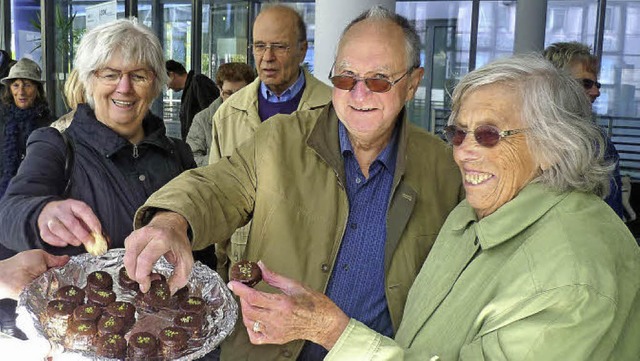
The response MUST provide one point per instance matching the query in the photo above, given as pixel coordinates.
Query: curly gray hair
(563, 140)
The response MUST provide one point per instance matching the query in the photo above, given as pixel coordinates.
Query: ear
(304, 45)
(414, 82)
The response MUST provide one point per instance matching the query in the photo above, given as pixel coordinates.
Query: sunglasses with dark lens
(377, 85)
(486, 135)
(588, 84)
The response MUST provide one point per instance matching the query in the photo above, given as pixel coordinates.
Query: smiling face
(373, 49)
(493, 176)
(277, 25)
(24, 93)
(122, 106)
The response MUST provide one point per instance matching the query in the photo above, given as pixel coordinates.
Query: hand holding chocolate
(246, 272)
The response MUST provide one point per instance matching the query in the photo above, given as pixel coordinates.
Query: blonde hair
(73, 90)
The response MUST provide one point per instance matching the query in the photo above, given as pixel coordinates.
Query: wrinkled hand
(166, 235)
(68, 222)
(18, 271)
(298, 313)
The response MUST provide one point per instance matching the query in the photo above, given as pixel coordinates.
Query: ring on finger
(51, 222)
(257, 327)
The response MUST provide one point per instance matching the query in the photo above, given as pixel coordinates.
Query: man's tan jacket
(233, 123)
(289, 180)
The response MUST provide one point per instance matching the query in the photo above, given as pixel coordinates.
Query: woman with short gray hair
(88, 181)
(532, 265)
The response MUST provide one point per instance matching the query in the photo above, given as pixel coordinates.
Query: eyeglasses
(376, 85)
(486, 135)
(111, 77)
(277, 48)
(588, 84)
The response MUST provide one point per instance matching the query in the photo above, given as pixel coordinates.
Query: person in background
(283, 86)
(230, 78)
(119, 150)
(24, 109)
(198, 92)
(347, 198)
(74, 95)
(576, 58)
(532, 265)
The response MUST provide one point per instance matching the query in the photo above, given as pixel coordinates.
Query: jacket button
(142, 178)
(286, 353)
(475, 243)
(324, 268)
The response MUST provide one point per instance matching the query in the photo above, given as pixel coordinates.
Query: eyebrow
(341, 65)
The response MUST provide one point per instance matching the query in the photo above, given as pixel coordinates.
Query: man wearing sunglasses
(347, 198)
(282, 87)
(576, 58)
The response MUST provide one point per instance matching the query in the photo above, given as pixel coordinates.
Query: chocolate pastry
(173, 340)
(99, 280)
(87, 313)
(58, 315)
(111, 345)
(191, 322)
(158, 295)
(194, 304)
(80, 335)
(124, 310)
(110, 324)
(126, 282)
(70, 293)
(100, 298)
(142, 346)
(246, 272)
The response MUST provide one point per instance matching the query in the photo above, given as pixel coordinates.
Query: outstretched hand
(18, 271)
(297, 313)
(166, 235)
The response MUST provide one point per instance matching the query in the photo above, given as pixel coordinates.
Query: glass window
(445, 31)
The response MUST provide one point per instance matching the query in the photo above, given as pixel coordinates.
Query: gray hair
(136, 43)
(412, 40)
(562, 139)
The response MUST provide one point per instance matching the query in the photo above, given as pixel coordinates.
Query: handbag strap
(68, 162)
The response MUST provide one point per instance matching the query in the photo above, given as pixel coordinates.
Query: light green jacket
(289, 179)
(199, 136)
(234, 123)
(546, 277)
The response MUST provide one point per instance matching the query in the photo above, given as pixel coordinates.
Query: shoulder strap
(68, 162)
(178, 151)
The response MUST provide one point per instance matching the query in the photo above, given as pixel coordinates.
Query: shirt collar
(287, 95)
(388, 155)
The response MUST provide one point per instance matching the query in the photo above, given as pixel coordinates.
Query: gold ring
(256, 327)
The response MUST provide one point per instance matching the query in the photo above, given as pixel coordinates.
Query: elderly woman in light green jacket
(533, 265)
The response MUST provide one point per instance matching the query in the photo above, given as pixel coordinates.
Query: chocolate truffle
(70, 293)
(87, 313)
(126, 282)
(246, 272)
(191, 322)
(142, 346)
(173, 340)
(110, 324)
(99, 280)
(100, 298)
(111, 345)
(80, 335)
(158, 296)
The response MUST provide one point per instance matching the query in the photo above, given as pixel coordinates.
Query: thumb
(55, 261)
(284, 284)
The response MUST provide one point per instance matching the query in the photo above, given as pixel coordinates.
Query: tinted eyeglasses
(588, 84)
(486, 135)
(377, 85)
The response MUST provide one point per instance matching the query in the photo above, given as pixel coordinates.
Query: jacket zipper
(135, 151)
